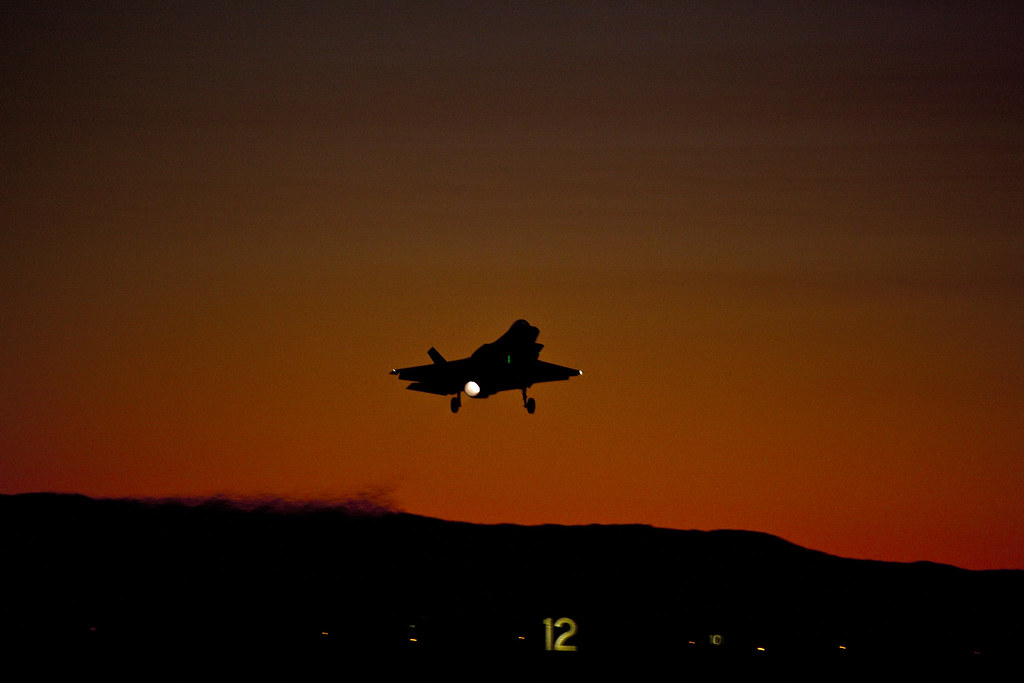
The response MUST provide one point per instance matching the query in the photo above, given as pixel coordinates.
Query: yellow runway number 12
(561, 643)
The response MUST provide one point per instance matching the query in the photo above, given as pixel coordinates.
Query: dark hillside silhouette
(351, 581)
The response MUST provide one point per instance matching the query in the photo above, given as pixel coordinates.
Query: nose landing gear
(456, 403)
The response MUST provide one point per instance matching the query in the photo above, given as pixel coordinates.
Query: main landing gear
(529, 403)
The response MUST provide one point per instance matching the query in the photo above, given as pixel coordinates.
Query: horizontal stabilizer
(435, 356)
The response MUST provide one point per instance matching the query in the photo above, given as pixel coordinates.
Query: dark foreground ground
(163, 580)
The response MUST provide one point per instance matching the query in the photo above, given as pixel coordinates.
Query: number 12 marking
(559, 644)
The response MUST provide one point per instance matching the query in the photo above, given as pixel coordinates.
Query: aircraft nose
(521, 328)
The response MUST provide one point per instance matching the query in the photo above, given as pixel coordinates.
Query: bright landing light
(471, 389)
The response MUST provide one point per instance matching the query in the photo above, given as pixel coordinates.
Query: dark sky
(783, 240)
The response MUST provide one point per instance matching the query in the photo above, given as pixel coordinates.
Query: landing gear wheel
(456, 403)
(531, 405)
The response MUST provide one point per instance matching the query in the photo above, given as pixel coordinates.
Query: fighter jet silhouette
(510, 362)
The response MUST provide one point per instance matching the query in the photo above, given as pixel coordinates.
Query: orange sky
(783, 242)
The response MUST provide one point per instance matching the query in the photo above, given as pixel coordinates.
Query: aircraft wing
(436, 378)
(549, 372)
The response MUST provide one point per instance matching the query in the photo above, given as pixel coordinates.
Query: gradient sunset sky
(784, 241)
